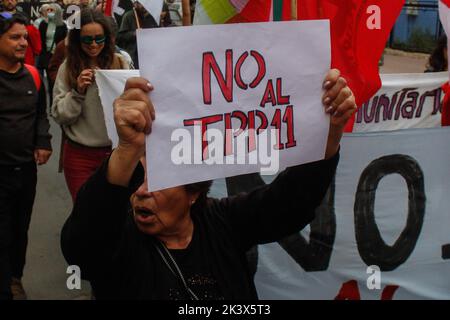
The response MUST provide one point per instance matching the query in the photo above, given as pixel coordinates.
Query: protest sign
(260, 79)
(31, 8)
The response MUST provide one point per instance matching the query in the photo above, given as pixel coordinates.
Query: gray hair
(43, 8)
(58, 14)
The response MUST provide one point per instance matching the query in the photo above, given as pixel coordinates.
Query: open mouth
(142, 211)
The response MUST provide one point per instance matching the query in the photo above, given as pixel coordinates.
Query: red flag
(446, 2)
(359, 31)
(254, 11)
(444, 13)
(445, 119)
(107, 6)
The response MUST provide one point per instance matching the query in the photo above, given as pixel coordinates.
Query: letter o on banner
(372, 248)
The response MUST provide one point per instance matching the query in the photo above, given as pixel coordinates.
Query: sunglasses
(88, 39)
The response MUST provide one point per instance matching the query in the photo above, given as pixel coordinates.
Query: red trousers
(446, 105)
(80, 163)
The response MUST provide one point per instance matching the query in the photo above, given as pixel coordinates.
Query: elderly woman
(52, 30)
(43, 11)
(176, 243)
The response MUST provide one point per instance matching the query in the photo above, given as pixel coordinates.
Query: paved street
(45, 273)
(404, 64)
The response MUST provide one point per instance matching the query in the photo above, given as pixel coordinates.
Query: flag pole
(293, 9)
(138, 24)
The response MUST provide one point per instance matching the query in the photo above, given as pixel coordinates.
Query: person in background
(77, 106)
(52, 31)
(24, 143)
(61, 4)
(165, 19)
(65, 6)
(126, 38)
(57, 59)
(10, 6)
(125, 5)
(438, 60)
(186, 10)
(43, 11)
(34, 46)
(192, 4)
(180, 12)
(84, 4)
(115, 30)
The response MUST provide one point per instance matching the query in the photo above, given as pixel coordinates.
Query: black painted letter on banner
(371, 246)
(315, 255)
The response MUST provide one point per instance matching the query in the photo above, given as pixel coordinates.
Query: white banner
(389, 209)
(404, 101)
(234, 79)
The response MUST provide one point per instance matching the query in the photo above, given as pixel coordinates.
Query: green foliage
(419, 41)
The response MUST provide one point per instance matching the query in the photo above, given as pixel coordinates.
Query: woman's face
(92, 37)
(161, 213)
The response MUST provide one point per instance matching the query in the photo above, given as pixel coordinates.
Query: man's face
(13, 44)
(9, 5)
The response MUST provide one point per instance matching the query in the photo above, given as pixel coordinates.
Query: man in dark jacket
(24, 142)
(176, 243)
(131, 21)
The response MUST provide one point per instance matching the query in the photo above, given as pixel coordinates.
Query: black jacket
(24, 125)
(60, 34)
(101, 237)
(126, 38)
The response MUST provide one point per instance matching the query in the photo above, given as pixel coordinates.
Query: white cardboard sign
(110, 86)
(256, 77)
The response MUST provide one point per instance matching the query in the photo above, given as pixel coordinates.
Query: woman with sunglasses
(77, 106)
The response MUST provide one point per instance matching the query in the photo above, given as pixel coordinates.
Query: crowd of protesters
(47, 65)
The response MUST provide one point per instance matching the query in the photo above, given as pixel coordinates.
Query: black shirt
(194, 265)
(24, 124)
(121, 262)
(126, 37)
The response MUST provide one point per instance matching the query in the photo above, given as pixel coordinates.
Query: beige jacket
(80, 115)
